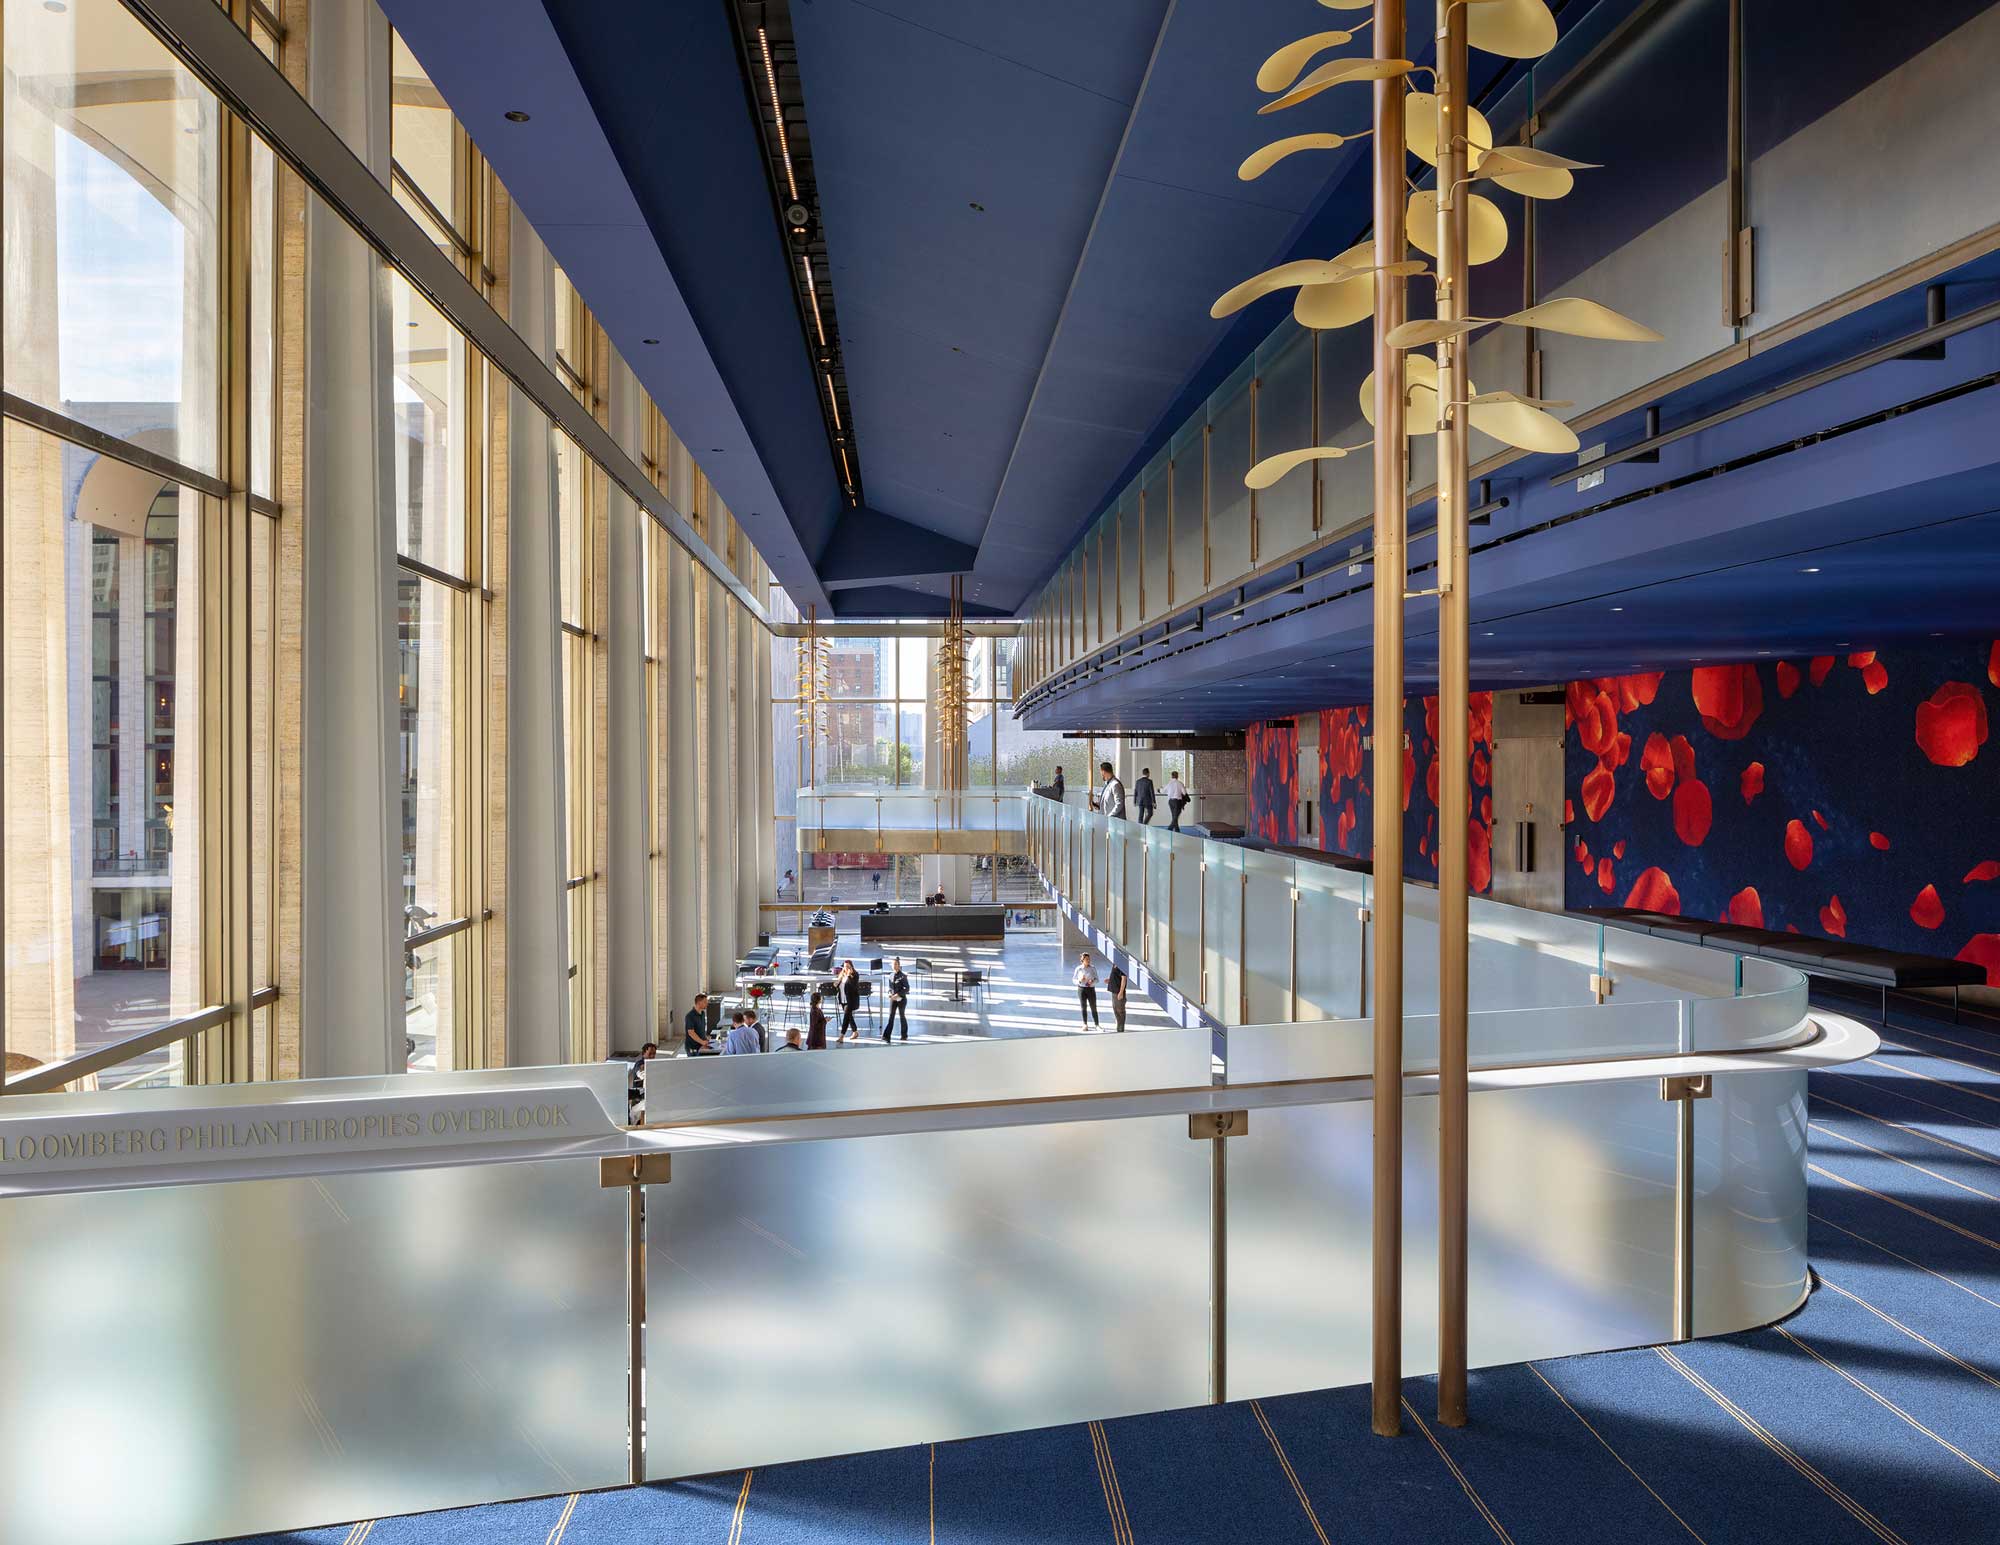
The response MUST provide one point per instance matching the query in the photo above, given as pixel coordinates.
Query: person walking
(1143, 797)
(694, 1029)
(850, 1000)
(1111, 798)
(1115, 984)
(816, 1029)
(1177, 799)
(1085, 977)
(899, 999)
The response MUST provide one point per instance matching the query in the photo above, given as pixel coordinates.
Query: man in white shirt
(1177, 798)
(1111, 798)
(1085, 977)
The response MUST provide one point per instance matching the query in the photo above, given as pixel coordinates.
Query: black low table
(927, 923)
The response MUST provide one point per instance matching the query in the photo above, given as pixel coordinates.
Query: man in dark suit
(1142, 795)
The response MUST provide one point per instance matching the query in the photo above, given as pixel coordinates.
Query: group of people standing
(746, 1034)
(1109, 796)
(1085, 977)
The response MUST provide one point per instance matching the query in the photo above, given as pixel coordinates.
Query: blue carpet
(1871, 1415)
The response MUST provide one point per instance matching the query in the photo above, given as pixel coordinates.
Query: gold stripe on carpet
(1291, 1475)
(1451, 1464)
(1887, 1404)
(1676, 1517)
(1107, 1475)
(1784, 1451)
(1889, 1319)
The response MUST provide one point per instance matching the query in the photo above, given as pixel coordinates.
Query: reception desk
(899, 925)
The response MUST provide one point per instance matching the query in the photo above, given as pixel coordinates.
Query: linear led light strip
(777, 111)
(812, 296)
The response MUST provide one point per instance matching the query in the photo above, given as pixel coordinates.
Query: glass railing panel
(681, 1090)
(1184, 964)
(1157, 542)
(1571, 1233)
(1811, 132)
(1188, 569)
(1116, 898)
(1159, 899)
(847, 812)
(1222, 931)
(282, 1352)
(1537, 1036)
(1520, 958)
(912, 811)
(1282, 1052)
(1650, 246)
(1642, 965)
(1270, 937)
(1333, 944)
(1749, 1200)
(1765, 1013)
(816, 1298)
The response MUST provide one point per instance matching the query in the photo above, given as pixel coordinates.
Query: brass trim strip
(80, 434)
(55, 1075)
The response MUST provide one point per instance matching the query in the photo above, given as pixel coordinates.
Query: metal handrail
(55, 1075)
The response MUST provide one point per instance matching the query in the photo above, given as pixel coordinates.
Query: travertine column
(718, 788)
(351, 992)
(627, 868)
(680, 792)
(537, 906)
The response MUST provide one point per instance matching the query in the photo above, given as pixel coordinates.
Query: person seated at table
(742, 1037)
(694, 1038)
(792, 1040)
(816, 1030)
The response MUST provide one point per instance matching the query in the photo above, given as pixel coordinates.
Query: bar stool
(795, 992)
(868, 999)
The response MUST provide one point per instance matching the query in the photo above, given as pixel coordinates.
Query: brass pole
(1454, 649)
(1391, 479)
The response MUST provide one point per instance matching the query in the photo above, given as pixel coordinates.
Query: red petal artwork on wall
(1988, 870)
(1788, 678)
(1683, 752)
(1654, 892)
(1618, 848)
(1478, 856)
(1993, 663)
(1606, 879)
(1927, 911)
(1821, 665)
(1820, 821)
(1409, 774)
(1746, 908)
(1729, 699)
(1753, 781)
(1951, 727)
(1656, 764)
(1874, 676)
(1431, 780)
(1582, 852)
(1983, 949)
(1862, 660)
(1486, 810)
(1637, 691)
(1693, 812)
(1598, 787)
(1878, 842)
(1798, 844)
(1569, 812)
(1833, 918)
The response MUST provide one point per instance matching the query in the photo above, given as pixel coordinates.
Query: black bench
(1835, 959)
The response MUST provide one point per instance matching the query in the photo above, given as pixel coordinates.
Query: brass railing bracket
(1686, 1086)
(1218, 1123)
(634, 1169)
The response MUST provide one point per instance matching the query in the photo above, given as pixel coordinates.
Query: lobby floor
(1872, 1414)
(1027, 991)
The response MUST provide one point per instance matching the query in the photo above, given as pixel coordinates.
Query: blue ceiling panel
(919, 113)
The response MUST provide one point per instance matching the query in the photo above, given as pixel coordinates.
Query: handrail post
(1391, 478)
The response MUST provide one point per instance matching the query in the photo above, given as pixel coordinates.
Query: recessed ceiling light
(516, 116)
(1618, 608)
(1808, 571)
